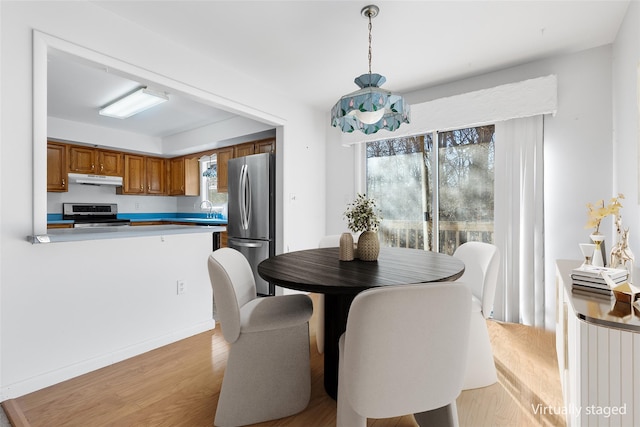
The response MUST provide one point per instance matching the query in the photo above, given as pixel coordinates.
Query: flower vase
(346, 247)
(368, 246)
(598, 259)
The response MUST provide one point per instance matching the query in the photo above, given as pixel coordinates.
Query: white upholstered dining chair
(268, 374)
(404, 352)
(330, 241)
(481, 261)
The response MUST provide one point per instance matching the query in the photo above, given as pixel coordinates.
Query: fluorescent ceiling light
(134, 103)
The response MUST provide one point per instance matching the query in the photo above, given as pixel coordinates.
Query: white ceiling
(314, 49)
(77, 89)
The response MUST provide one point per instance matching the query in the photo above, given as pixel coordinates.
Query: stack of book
(588, 278)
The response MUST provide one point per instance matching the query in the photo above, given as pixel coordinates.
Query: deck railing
(411, 234)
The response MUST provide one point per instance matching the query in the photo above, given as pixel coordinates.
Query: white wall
(68, 308)
(578, 154)
(79, 193)
(70, 131)
(626, 137)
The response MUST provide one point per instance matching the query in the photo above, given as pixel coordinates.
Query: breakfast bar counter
(99, 233)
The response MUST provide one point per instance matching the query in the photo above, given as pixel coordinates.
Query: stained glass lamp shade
(371, 108)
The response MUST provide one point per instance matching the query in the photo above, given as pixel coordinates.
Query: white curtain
(518, 221)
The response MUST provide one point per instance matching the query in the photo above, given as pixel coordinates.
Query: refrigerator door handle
(242, 198)
(246, 244)
(248, 196)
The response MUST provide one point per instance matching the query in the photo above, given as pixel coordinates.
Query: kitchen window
(209, 181)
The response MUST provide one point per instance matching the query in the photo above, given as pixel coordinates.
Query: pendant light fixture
(212, 169)
(371, 108)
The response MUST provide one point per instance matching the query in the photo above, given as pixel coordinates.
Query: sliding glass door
(426, 210)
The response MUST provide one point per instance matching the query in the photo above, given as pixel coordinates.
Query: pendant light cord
(370, 27)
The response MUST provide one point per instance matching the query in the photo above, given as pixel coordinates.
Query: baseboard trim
(14, 413)
(47, 379)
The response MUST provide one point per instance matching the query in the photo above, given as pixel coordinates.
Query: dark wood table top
(320, 270)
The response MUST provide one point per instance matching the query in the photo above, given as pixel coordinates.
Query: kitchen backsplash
(126, 203)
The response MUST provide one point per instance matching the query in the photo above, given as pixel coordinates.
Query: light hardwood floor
(178, 385)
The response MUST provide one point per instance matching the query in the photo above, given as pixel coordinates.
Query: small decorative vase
(587, 252)
(368, 246)
(621, 255)
(597, 260)
(346, 247)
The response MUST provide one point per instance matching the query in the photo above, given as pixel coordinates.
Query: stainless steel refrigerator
(251, 225)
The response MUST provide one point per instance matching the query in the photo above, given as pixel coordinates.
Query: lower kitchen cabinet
(56, 226)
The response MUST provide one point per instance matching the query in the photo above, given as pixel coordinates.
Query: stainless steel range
(93, 215)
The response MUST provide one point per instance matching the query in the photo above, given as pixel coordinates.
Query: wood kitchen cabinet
(143, 175)
(156, 177)
(245, 149)
(110, 163)
(265, 146)
(134, 175)
(57, 179)
(82, 159)
(184, 177)
(255, 147)
(95, 161)
(58, 226)
(223, 155)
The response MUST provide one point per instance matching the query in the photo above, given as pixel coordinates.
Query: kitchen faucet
(207, 204)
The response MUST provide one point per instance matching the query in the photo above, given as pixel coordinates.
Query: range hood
(88, 179)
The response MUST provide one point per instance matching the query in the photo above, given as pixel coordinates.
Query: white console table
(598, 346)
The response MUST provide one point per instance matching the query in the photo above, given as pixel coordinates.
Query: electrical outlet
(181, 287)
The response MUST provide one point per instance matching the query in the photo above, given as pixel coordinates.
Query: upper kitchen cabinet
(82, 159)
(184, 177)
(143, 175)
(95, 161)
(134, 175)
(242, 150)
(156, 175)
(57, 167)
(255, 147)
(265, 146)
(223, 155)
(110, 163)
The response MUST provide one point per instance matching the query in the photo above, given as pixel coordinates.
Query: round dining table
(321, 271)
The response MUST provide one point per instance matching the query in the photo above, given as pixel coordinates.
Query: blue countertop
(205, 221)
(194, 218)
